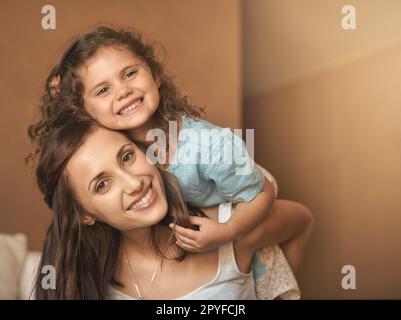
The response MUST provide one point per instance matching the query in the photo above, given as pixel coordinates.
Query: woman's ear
(88, 220)
(158, 82)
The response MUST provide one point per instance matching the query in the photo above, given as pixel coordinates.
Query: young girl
(109, 239)
(115, 78)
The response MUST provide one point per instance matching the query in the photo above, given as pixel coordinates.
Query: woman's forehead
(100, 146)
(102, 138)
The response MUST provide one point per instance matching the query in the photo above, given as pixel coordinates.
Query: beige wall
(299, 38)
(202, 40)
(333, 139)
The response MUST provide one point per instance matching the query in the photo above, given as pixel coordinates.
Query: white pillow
(13, 249)
(28, 275)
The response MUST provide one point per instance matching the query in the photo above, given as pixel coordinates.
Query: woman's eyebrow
(118, 156)
(95, 178)
(121, 151)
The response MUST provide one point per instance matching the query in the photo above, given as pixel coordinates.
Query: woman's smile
(115, 182)
(145, 202)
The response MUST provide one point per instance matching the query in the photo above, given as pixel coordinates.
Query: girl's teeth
(132, 106)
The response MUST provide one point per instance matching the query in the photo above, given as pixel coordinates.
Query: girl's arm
(287, 218)
(249, 214)
(212, 234)
(288, 223)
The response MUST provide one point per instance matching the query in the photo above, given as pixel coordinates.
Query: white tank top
(229, 283)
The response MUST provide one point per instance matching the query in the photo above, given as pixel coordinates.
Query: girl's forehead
(115, 52)
(107, 60)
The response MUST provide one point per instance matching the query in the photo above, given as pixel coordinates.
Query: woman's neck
(139, 241)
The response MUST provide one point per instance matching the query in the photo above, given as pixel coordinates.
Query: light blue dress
(212, 165)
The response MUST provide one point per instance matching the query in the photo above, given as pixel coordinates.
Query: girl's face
(115, 183)
(119, 89)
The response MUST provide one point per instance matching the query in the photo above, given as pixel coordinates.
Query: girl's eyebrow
(98, 85)
(129, 66)
(118, 156)
(122, 71)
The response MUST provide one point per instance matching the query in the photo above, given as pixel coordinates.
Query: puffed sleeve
(229, 166)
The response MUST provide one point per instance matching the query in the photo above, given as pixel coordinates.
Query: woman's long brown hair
(85, 256)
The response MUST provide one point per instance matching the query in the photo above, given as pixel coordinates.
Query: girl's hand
(211, 235)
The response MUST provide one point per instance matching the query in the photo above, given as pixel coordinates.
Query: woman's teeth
(144, 201)
(131, 107)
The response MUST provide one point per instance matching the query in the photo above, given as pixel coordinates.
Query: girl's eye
(101, 91)
(127, 158)
(130, 74)
(102, 186)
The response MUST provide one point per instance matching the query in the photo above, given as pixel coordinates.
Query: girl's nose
(133, 184)
(123, 91)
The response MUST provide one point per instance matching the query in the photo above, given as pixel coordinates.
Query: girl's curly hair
(63, 83)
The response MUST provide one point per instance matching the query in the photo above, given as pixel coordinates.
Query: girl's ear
(88, 219)
(158, 82)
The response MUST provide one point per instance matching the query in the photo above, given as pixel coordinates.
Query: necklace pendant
(141, 298)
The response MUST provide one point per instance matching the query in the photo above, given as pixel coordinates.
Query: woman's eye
(127, 158)
(101, 186)
(129, 74)
(101, 91)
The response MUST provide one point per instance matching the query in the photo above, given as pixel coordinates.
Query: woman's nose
(133, 184)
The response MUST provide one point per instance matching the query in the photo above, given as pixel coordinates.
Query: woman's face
(115, 183)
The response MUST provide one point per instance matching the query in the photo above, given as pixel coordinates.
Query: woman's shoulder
(243, 252)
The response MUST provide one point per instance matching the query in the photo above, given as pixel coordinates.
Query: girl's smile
(119, 89)
(131, 107)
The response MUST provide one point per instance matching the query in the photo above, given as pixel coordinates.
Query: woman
(109, 237)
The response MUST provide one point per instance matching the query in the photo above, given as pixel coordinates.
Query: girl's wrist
(231, 231)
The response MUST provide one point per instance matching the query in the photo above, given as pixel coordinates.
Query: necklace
(136, 285)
